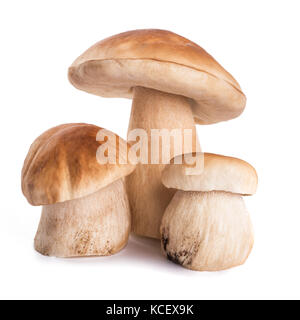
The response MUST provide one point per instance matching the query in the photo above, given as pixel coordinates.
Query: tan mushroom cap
(220, 173)
(62, 165)
(164, 61)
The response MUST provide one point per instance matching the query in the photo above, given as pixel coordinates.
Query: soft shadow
(139, 251)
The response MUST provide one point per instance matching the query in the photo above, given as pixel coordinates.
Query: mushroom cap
(220, 173)
(61, 164)
(164, 61)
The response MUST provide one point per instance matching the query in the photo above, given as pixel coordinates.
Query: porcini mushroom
(173, 83)
(85, 205)
(206, 226)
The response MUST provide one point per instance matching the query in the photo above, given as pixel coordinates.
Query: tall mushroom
(173, 83)
(206, 226)
(85, 205)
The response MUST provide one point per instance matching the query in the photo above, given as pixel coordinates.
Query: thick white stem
(207, 231)
(96, 225)
(152, 109)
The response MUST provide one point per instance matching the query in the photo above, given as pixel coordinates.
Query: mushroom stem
(207, 231)
(152, 109)
(96, 225)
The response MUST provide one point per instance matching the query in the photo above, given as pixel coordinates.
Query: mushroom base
(96, 225)
(207, 231)
(148, 197)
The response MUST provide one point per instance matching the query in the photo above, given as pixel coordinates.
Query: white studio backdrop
(256, 41)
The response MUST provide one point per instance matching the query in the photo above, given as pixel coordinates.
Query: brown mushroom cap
(164, 61)
(61, 165)
(220, 173)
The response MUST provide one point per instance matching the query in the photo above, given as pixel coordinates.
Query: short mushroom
(173, 83)
(206, 226)
(85, 205)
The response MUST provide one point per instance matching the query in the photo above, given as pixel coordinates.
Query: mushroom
(85, 205)
(206, 226)
(173, 83)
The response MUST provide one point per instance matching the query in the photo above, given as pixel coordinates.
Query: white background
(257, 41)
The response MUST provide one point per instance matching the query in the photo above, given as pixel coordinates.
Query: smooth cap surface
(62, 165)
(220, 173)
(164, 61)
